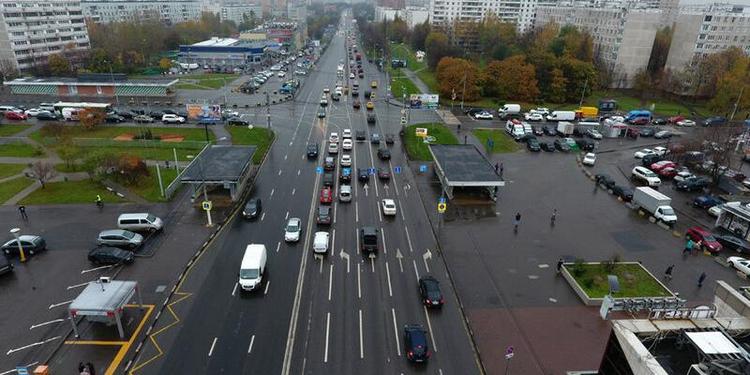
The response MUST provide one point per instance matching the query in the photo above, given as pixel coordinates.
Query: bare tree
(43, 172)
(718, 144)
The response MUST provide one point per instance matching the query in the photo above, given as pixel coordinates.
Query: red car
(706, 239)
(675, 119)
(667, 172)
(640, 121)
(659, 165)
(326, 196)
(10, 115)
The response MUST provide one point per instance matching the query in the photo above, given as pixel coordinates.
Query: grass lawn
(634, 280)
(424, 73)
(20, 150)
(148, 188)
(110, 132)
(84, 191)
(661, 106)
(401, 84)
(8, 189)
(7, 130)
(415, 146)
(7, 170)
(503, 143)
(205, 81)
(260, 137)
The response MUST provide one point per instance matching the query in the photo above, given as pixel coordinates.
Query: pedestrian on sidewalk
(22, 211)
(559, 265)
(701, 279)
(459, 128)
(554, 217)
(668, 272)
(501, 169)
(465, 138)
(497, 166)
(516, 222)
(688, 246)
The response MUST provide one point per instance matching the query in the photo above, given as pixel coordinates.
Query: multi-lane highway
(344, 312)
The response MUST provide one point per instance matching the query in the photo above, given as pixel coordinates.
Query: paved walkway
(417, 82)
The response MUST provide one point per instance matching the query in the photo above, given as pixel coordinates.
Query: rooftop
(89, 81)
(217, 42)
(219, 163)
(464, 165)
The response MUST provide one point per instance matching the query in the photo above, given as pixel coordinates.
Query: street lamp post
(205, 192)
(15, 232)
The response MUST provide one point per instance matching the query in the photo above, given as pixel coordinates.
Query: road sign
(206, 205)
(319, 170)
(442, 207)
(441, 200)
(403, 120)
(396, 169)
(22, 370)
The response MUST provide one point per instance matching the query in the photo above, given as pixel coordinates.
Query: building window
(699, 46)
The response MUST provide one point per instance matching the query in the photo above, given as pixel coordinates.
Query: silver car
(120, 238)
(292, 230)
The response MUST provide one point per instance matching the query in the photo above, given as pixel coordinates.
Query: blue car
(706, 201)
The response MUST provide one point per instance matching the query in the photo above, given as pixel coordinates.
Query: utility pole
(268, 110)
(583, 92)
(463, 94)
(736, 104)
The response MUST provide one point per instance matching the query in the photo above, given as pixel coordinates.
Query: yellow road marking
(95, 342)
(151, 337)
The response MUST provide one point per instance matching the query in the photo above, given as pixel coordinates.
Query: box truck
(561, 116)
(655, 203)
(565, 128)
(509, 110)
(587, 112)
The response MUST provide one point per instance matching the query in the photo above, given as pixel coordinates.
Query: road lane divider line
(280, 170)
(294, 190)
(401, 211)
(268, 283)
(278, 246)
(286, 216)
(408, 238)
(263, 216)
(330, 282)
(395, 332)
(361, 340)
(250, 348)
(299, 170)
(234, 290)
(382, 237)
(416, 272)
(429, 327)
(213, 345)
(359, 282)
(388, 275)
(356, 212)
(285, 156)
(328, 330)
(335, 208)
(380, 215)
(272, 191)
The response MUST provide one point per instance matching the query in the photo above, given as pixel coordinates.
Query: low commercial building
(92, 86)
(463, 169)
(167, 11)
(224, 53)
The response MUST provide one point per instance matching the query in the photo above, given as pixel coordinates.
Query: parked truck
(655, 203)
(515, 129)
(565, 128)
(509, 110)
(561, 116)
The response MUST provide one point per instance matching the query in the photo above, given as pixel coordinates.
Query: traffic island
(589, 281)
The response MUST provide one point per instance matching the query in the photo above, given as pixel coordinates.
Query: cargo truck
(655, 203)
(565, 128)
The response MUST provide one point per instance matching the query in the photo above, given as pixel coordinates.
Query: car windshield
(292, 228)
(128, 235)
(151, 218)
(648, 173)
(709, 238)
(249, 274)
(668, 211)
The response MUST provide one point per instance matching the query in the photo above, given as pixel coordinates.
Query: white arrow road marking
(78, 285)
(425, 256)
(400, 256)
(46, 323)
(343, 255)
(11, 351)
(95, 269)
(52, 306)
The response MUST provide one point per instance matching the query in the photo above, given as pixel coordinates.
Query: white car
(484, 115)
(346, 160)
(326, 90)
(686, 122)
(640, 154)
(172, 119)
(351, 76)
(320, 243)
(646, 175)
(661, 151)
(347, 144)
(682, 175)
(281, 74)
(333, 148)
(741, 264)
(389, 207)
(715, 211)
(617, 118)
(346, 134)
(323, 101)
(593, 133)
(589, 159)
(300, 72)
(534, 117)
(541, 110)
(33, 112)
(333, 138)
(275, 68)
(292, 230)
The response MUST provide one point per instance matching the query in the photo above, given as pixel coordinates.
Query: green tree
(580, 75)
(419, 35)
(398, 30)
(58, 65)
(437, 46)
(165, 63)
(730, 86)
(69, 153)
(558, 83)
(496, 38)
(459, 75)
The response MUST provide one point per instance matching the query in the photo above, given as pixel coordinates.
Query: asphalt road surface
(343, 313)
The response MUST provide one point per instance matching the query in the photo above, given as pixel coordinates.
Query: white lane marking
(408, 239)
(388, 275)
(52, 306)
(425, 256)
(429, 327)
(395, 332)
(234, 290)
(361, 341)
(299, 170)
(279, 172)
(401, 211)
(321, 266)
(268, 283)
(414, 262)
(95, 269)
(291, 143)
(356, 212)
(250, 348)
(372, 263)
(359, 283)
(543, 265)
(335, 207)
(46, 323)
(328, 327)
(380, 215)
(285, 156)
(78, 285)
(11, 351)
(382, 237)
(400, 256)
(330, 281)
(278, 245)
(263, 216)
(272, 190)
(16, 371)
(294, 190)
(213, 344)
(286, 216)
(333, 240)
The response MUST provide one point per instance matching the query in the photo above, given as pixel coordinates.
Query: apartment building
(622, 37)
(30, 31)
(167, 11)
(236, 12)
(699, 32)
(527, 13)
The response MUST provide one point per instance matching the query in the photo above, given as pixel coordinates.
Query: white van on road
(253, 267)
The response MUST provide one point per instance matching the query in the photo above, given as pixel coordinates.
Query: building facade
(236, 12)
(104, 86)
(623, 38)
(167, 11)
(30, 31)
(224, 53)
(527, 13)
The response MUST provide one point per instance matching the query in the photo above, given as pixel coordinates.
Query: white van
(561, 116)
(140, 222)
(253, 267)
(70, 114)
(47, 106)
(509, 109)
(320, 243)
(345, 193)
(514, 129)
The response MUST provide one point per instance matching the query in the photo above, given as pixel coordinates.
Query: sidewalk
(417, 82)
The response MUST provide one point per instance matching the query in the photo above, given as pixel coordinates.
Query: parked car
(415, 343)
(641, 153)
(429, 290)
(484, 115)
(562, 145)
(730, 242)
(5, 266)
(675, 119)
(31, 244)
(623, 192)
(682, 175)
(605, 181)
(110, 255)
(714, 120)
(659, 121)
(538, 131)
(46, 116)
(706, 201)
(659, 165)
(143, 119)
(664, 134)
(589, 159)
(252, 208)
(114, 118)
(740, 264)
(237, 120)
(18, 116)
(647, 132)
(549, 130)
(534, 117)
(594, 134)
(667, 172)
(646, 175)
(547, 146)
(533, 145)
(706, 239)
(686, 123)
(693, 184)
(585, 144)
(648, 160)
(119, 238)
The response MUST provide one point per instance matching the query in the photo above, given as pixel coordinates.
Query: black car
(538, 130)
(547, 146)
(323, 216)
(321, 112)
(329, 163)
(345, 176)
(328, 179)
(562, 145)
(739, 245)
(252, 209)
(706, 201)
(5, 265)
(156, 114)
(623, 192)
(237, 120)
(647, 132)
(355, 93)
(46, 116)
(471, 112)
(389, 139)
(312, 150)
(362, 175)
(585, 144)
(549, 130)
(114, 119)
(372, 118)
(30, 243)
(415, 343)
(651, 159)
(384, 174)
(384, 153)
(429, 289)
(360, 135)
(693, 184)
(107, 255)
(375, 138)
(533, 145)
(715, 120)
(605, 181)
(659, 121)
(127, 114)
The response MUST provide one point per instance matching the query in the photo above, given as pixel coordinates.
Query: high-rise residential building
(167, 11)
(699, 32)
(33, 30)
(237, 11)
(622, 37)
(527, 13)
(443, 13)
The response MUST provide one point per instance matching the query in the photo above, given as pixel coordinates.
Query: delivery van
(561, 116)
(253, 267)
(587, 112)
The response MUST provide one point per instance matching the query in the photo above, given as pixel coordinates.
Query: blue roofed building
(223, 53)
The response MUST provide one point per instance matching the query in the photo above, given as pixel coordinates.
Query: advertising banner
(423, 101)
(204, 112)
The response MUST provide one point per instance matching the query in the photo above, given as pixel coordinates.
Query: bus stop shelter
(464, 166)
(103, 301)
(220, 165)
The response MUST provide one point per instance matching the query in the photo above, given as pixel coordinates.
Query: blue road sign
(423, 168)
(371, 170)
(22, 370)
(441, 200)
(397, 170)
(319, 170)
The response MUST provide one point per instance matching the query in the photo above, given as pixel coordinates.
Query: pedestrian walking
(701, 279)
(501, 170)
(559, 265)
(90, 367)
(554, 217)
(688, 246)
(459, 128)
(668, 272)
(517, 221)
(497, 165)
(22, 211)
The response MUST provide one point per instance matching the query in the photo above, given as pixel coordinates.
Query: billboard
(423, 101)
(204, 112)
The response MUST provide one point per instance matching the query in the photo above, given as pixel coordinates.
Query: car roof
(295, 220)
(112, 231)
